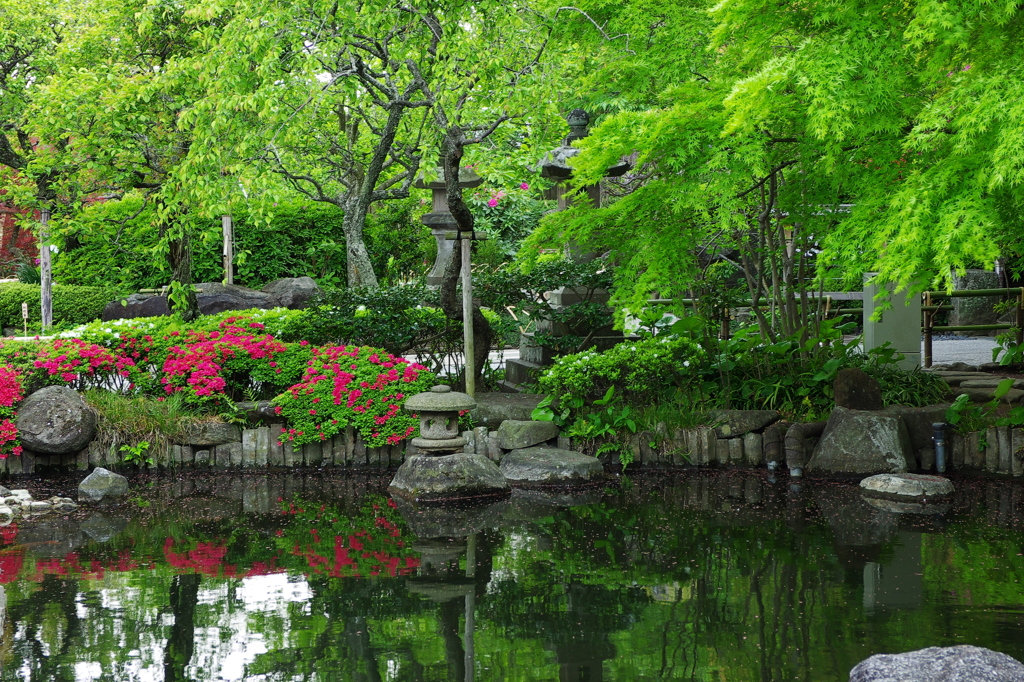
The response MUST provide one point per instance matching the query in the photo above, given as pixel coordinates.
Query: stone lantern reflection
(440, 219)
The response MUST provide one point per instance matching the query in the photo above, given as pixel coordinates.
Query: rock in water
(102, 484)
(426, 478)
(55, 420)
(908, 485)
(514, 434)
(861, 442)
(550, 466)
(857, 390)
(940, 664)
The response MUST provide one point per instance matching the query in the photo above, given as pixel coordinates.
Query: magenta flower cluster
(352, 386)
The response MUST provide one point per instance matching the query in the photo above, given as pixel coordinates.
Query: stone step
(522, 372)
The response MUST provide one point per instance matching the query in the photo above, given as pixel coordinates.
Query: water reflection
(700, 577)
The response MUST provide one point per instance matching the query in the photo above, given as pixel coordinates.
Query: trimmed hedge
(71, 304)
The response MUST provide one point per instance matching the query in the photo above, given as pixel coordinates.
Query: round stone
(908, 485)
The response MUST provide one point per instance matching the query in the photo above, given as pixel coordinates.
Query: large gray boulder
(55, 420)
(427, 478)
(550, 466)
(215, 297)
(940, 664)
(136, 305)
(102, 484)
(862, 442)
(514, 434)
(733, 423)
(494, 408)
(292, 292)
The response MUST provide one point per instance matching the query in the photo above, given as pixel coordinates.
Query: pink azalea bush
(352, 386)
(10, 395)
(80, 364)
(202, 364)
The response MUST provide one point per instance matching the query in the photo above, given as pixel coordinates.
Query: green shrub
(115, 243)
(638, 372)
(71, 304)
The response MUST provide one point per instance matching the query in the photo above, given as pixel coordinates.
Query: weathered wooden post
(229, 243)
(45, 271)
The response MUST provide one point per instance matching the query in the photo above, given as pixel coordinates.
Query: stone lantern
(555, 164)
(440, 219)
(442, 473)
(438, 410)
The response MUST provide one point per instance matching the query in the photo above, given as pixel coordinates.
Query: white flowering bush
(638, 372)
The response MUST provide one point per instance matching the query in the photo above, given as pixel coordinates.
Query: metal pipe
(939, 439)
(796, 449)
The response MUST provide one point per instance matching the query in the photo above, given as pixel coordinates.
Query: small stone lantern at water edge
(438, 410)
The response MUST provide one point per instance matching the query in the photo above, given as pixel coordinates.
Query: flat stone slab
(213, 433)
(984, 394)
(908, 485)
(733, 423)
(494, 408)
(940, 664)
(990, 383)
(426, 478)
(514, 434)
(550, 466)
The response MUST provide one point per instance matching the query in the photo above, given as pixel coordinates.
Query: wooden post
(45, 271)
(467, 315)
(229, 255)
(929, 320)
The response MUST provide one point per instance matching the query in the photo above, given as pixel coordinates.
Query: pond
(709, 576)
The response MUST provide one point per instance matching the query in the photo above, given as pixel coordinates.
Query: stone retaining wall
(995, 451)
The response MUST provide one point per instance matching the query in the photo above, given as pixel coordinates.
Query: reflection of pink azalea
(523, 185)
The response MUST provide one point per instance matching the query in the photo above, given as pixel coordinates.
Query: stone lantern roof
(555, 164)
(440, 398)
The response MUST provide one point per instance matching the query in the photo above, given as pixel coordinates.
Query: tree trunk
(179, 255)
(451, 303)
(358, 265)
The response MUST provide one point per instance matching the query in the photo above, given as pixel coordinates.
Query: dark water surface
(721, 576)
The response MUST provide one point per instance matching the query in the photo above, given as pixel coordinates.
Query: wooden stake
(229, 243)
(45, 271)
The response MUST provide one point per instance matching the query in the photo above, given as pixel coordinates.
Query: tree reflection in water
(696, 577)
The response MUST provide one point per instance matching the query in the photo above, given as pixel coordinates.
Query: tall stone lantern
(440, 219)
(557, 165)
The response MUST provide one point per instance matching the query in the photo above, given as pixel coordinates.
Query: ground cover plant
(674, 378)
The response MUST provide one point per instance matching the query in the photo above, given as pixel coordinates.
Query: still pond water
(720, 576)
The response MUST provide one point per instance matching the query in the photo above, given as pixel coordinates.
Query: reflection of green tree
(643, 587)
